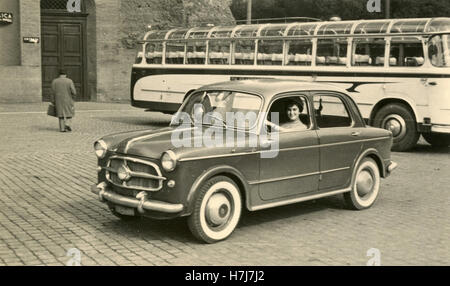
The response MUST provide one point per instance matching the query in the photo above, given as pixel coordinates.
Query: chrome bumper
(391, 167)
(141, 203)
(440, 128)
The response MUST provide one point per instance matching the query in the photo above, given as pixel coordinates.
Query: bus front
(439, 96)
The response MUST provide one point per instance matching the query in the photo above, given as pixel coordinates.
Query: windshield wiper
(216, 118)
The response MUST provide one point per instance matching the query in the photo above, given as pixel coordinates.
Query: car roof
(270, 87)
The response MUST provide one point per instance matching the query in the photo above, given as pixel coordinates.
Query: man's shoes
(68, 129)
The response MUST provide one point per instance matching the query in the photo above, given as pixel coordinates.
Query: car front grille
(141, 175)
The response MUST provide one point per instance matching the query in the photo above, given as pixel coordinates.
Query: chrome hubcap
(396, 124)
(218, 209)
(364, 183)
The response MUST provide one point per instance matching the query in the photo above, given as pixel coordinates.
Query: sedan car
(251, 144)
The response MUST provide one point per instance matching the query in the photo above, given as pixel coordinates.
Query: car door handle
(356, 133)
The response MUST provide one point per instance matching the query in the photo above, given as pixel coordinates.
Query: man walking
(63, 91)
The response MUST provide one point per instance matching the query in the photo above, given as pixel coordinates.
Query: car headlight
(100, 149)
(169, 161)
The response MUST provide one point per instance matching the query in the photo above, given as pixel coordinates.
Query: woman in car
(293, 111)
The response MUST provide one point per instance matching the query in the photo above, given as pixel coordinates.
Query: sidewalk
(26, 128)
(79, 106)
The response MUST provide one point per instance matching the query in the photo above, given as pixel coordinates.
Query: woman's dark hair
(295, 102)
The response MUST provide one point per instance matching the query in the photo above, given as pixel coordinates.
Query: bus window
(196, 52)
(368, 52)
(219, 52)
(270, 52)
(406, 51)
(439, 50)
(299, 52)
(332, 52)
(174, 52)
(153, 53)
(244, 52)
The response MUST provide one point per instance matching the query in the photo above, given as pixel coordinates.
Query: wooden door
(63, 46)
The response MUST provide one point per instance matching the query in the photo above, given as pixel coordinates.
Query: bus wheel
(437, 140)
(400, 121)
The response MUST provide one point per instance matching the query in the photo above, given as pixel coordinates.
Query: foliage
(346, 9)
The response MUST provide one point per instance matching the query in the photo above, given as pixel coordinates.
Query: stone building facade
(94, 40)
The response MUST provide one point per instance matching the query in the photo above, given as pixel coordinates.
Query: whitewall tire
(217, 210)
(365, 185)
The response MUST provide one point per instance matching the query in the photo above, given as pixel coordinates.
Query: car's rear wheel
(217, 210)
(437, 140)
(398, 119)
(365, 185)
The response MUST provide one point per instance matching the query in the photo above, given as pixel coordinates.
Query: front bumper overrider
(141, 202)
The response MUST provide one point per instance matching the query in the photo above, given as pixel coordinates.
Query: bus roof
(344, 28)
(269, 87)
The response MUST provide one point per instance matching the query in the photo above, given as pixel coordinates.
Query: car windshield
(220, 108)
(439, 50)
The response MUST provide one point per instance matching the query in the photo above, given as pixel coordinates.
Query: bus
(397, 70)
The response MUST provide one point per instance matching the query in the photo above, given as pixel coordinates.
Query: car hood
(153, 143)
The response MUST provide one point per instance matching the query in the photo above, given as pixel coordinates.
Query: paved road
(46, 207)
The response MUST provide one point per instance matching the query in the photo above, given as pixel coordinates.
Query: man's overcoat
(63, 90)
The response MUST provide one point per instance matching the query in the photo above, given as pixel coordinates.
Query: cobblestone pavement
(46, 207)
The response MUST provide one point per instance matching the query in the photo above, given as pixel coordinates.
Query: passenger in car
(293, 111)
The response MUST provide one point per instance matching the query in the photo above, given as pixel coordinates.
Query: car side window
(331, 111)
(289, 114)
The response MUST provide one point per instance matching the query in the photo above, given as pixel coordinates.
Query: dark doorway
(63, 46)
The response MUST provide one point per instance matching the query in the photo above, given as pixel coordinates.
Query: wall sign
(31, 40)
(6, 18)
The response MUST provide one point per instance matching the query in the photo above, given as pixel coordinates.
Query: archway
(68, 39)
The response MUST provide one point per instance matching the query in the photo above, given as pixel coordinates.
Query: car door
(295, 169)
(340, 134)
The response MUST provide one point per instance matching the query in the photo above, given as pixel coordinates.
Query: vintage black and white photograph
(224, 133)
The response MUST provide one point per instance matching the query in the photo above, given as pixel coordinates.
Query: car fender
(211, 172)
(371, 152)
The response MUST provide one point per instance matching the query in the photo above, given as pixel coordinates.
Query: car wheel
(437, 140)
(398, 119)
(217, 210)
(121, 216)
(365, 185)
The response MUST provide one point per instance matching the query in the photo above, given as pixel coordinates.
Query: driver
(293, 111)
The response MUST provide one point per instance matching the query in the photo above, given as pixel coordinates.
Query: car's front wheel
(217, 210)
(365, 185)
